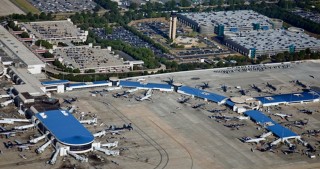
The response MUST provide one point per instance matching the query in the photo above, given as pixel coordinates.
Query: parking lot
(63, 6)
(119, 33)
(313, 16)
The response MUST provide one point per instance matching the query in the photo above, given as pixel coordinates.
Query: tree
(48, 55)
(24, 35)
(133, 6)
(44, 43)
(185, 3)
(212, 2)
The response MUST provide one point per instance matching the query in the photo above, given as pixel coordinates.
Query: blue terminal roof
(126, 83)
(202, 94)
(100, 82)
(54, 82)
(291, 97)
(76, 84)
(276, 128)
(230, 103)
(146, 85)
(65, 127)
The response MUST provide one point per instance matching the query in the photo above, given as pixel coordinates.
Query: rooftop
(65, 127)
(85, 57)
(274, 40)
(51, 30)
(289, 98)
(234, 19)
(144, 85)
(15, 49)
(202, 94)
(275, 128)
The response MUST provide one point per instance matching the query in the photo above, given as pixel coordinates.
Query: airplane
(198, 105)
(23, 156)
(252, 140)
(170, 81)
(283, 116)
(124, 94)
(235, 126)
(256, 88)
(183, 100)
(298, 123)
(242, 92)
(289, 151)
(217, 111)
(300, 84)
(224, 88)
(70, 101)
(306, 111)
(312, 132)
(226, 118)
(8, 132)
(114, 128)
(19, 145)
(271, 86)
(205, 85)
(146, 96)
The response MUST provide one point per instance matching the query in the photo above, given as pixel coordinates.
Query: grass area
(25, 6)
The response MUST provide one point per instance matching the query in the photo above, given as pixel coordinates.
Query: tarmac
(171, 135)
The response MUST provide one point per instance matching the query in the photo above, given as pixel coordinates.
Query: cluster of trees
(31, 17)
(44, 43)
(64, 68)
(13, 26)
(301, 55)
(17, 28)
(47, 55)
(85, 20)
(96, 77)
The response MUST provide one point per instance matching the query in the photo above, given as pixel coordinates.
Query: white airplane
(253, 140)
(283, 115)
(146, 96)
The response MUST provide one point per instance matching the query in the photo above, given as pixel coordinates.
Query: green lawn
(25, 6)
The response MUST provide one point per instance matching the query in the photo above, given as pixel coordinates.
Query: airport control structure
(250, 33)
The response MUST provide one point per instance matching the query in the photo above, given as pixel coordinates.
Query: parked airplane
(283, 116)
(205, 85)
(271, 86)
(70, 101)
(242, 92)
(256, 88)
(19, 145)
(146, 96)
(8, 132)
(306, 111)
(124, 94)
(183, 100)
(170, 81)
(252, 140)
(224, 88)
(301, 84)
(217, 110)
(125, 126)
(198, 105)
(235, 126)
